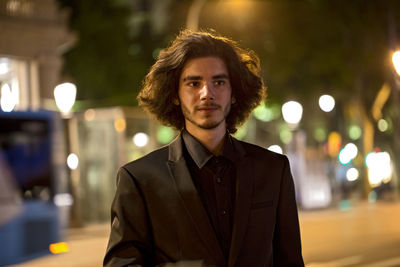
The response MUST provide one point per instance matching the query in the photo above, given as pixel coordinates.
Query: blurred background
(70, 71)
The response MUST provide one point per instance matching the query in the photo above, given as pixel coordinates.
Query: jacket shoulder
(260, 152)
(154, 159)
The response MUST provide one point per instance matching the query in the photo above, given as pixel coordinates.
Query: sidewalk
(87, 246)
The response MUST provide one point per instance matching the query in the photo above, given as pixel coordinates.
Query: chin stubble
(208, 125)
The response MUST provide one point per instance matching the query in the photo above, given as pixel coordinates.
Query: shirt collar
(202, 155)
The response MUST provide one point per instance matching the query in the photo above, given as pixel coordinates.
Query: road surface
(367, 234)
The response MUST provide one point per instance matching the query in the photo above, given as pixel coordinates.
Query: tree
(117, 43)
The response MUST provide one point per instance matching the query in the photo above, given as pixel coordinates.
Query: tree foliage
(117, 43)
(306, 47)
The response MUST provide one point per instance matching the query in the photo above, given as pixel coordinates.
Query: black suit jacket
(157, 215)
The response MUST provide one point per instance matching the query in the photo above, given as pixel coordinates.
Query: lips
(209, 108)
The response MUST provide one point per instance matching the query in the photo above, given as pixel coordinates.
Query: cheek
(188, 97)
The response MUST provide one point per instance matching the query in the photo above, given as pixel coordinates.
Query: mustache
(208, 105)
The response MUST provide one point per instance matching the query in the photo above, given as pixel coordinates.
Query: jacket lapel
(244, 187)
(191, 200)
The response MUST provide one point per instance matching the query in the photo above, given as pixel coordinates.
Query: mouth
(208, 108)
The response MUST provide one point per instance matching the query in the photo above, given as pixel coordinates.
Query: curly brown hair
(161, 84)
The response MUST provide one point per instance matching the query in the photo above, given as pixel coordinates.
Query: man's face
(204, 93)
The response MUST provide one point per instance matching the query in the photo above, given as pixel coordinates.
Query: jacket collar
(201, 155)
(176, 149)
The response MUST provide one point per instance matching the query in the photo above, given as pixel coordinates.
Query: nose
(207, 92)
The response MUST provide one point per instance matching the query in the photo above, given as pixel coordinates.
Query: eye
(219, 82)
(193, 84)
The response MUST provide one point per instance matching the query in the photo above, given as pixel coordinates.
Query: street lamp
(192, 20)
(64, 95)
(396, 61)
(8, 98)
(292, 112)
(140, 139)
(326, 103)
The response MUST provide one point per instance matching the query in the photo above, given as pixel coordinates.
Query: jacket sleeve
(287, 241)
(131, 240)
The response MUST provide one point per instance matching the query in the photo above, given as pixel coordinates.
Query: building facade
(33, 36)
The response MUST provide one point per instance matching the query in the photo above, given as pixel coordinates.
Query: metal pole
(192, 20)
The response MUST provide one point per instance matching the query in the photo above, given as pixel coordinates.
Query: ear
(176, 101)
(233, 100)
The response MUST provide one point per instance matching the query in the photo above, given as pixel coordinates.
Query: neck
(212, 139)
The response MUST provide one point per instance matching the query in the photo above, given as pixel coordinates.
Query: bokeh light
(292, 112)
(8, 100)
(64, 95)
(352, 174)
(57, 248)
(262, 113)
(348, 153)
(396, 61)
(266, 113)
(275, 148)
(334, 143)
(320, 134)
(383, 125)
(90, 114)
(72, 161)
(120, 124)
(379, 168)
(63, 199)
(354, 132)
(165, 134)
(140, 139)
(326, 103)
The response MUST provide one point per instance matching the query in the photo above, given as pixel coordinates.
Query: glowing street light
(348, 153)
(72, 161)
(326, 103)
(352, 174)
(275, 148)
(379, 166)
(140, 139)
(65, 95)
(396, 61)
(8, 99)
(292, 112)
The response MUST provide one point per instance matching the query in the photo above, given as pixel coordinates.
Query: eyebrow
(197, 78)
(192, 78)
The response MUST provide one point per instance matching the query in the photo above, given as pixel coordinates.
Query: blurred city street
(364, 235)
(71, 72)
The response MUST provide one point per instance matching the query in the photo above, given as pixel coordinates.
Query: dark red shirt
(215, 180)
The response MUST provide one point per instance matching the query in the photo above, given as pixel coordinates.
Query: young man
(206, 199)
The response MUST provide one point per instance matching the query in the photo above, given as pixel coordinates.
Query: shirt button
(224, 212)
(219, 180)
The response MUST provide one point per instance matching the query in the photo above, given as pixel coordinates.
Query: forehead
(204, 66)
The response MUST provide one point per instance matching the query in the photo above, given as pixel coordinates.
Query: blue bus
(31, 177)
